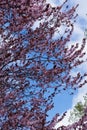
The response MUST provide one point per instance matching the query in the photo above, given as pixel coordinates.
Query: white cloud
(53, 4)
(82, 9)
(78, 35)
(36, 24)
(78, 32)
(1, 40)
(79, 96)
(65, 121)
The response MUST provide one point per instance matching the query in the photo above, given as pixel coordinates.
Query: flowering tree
(34, 67)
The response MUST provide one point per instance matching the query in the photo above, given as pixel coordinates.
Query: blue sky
(64, 101)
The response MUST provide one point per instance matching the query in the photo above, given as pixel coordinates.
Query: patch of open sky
(23, 32)
(31, 55)
(1, 40)
(25, 43)
(82, 22)
(49, 66)
(7, 24)
(75, 37)
(36, 24)
(55, 2)
(62, 102)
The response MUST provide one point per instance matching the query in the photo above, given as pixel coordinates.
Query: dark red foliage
(33, 66)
